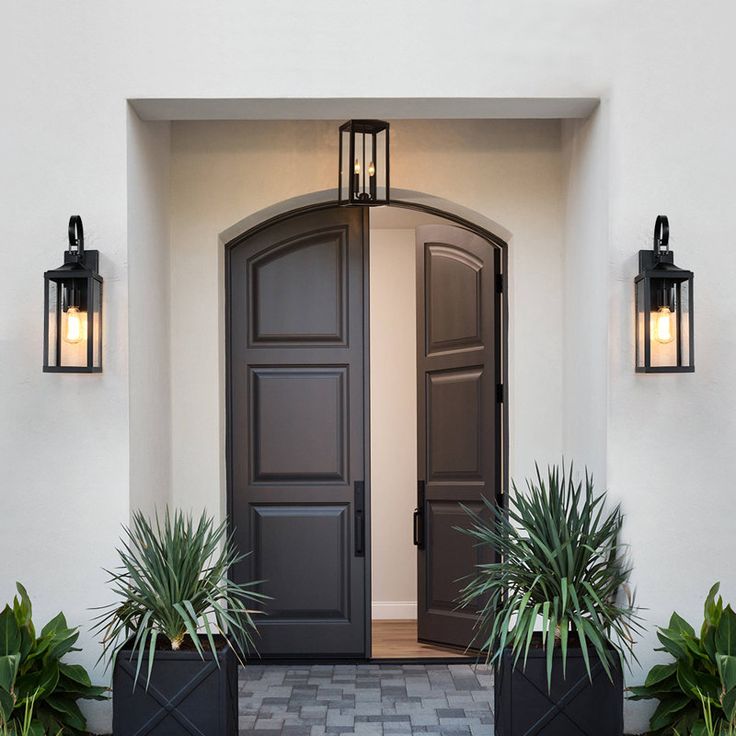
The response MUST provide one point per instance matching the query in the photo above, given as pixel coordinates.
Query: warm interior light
(663, 329)
(75, 326)
(371, 169)
(356, 168)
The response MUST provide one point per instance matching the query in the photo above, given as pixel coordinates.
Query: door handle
(417, 528)
(359, 518)
(418, 521)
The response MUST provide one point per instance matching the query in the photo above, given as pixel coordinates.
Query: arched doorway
(299, 486)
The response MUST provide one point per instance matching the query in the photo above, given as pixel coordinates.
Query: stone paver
(366, 700)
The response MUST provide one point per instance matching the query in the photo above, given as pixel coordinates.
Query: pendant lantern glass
(364, 163)
(664, 309)
(73, 309)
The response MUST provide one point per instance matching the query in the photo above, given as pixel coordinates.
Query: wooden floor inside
(398, 640)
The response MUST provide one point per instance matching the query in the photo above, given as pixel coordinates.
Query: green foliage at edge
(38, 691)
(559, 562)
(697, 690)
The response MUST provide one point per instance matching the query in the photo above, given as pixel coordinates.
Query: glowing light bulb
(75, 327)
(371, 169)
(663, 325)
(356, 168)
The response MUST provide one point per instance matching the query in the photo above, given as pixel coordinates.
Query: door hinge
(499, 393)
(499, 283)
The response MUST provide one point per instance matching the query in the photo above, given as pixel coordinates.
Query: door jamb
(502, 450)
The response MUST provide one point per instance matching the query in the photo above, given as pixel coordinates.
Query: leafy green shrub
(561, 563)
(171, 584)
(697, 691)
(39, 692)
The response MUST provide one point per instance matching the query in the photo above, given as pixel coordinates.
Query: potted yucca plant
(177, 629)
(555, 616)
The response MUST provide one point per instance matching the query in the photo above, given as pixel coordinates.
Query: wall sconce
(364, 164)
(664, 309)
(73, 309)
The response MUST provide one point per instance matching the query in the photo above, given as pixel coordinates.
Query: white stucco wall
(663, 70)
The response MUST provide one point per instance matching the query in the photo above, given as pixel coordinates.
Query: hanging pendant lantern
(364, 163)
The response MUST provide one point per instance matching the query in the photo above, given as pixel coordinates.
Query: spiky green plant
(172, 583)
(560, 571)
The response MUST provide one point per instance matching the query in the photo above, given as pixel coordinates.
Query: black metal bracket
(661, 234)
(359, 517)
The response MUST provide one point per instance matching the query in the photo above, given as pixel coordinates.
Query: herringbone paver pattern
(366, 700)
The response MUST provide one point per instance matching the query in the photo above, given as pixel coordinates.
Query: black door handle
(359, 518)
(419, 516)
(417, 528)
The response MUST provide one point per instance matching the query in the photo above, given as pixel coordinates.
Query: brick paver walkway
(366, 699)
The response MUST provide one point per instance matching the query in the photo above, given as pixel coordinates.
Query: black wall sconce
(73, 309)
(364, 163)
(664, 309)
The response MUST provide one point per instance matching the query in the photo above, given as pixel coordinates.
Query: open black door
(297, 432)
(458, 339)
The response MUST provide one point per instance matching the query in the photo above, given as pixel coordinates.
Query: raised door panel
(299, 424)
(298, 290)
(450, 556)
(453, 299)
(454, 429)
(302, 556)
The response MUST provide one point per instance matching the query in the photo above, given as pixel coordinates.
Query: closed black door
(297, 428)
(458, 330)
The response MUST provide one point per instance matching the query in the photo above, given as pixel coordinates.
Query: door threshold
(330, 661)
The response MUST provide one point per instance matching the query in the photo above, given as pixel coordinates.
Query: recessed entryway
(302, 417)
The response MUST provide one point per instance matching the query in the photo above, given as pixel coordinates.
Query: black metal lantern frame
(364, 177)
(73, 309)
(664, 309)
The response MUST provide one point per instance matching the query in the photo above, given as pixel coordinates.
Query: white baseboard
(384, 610)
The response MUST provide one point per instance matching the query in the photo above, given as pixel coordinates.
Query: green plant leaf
(726, 633)
(727, 670)
(7, 704)
(10, 638)
(667, 712)
(660, 672)
(68, 712)
(728, 703)
(9, 664)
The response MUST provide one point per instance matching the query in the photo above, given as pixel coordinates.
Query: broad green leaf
(667, 712)
(660, 672)
(726, 633)
(40, 682)
(7, 704)
(68, 712)
(10, 638)
(8, 670)
(727, 670)
(728, 703)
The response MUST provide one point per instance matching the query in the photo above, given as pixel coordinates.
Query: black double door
(298, 435)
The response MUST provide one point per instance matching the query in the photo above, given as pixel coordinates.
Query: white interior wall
(149, 153)
(585, 298)
(393, 387)
(509, 171)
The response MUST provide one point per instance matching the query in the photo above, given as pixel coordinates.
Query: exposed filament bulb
(356, 168)
(371, 169)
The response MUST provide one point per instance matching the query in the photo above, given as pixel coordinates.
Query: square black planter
(573, 707)
(187, 695)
